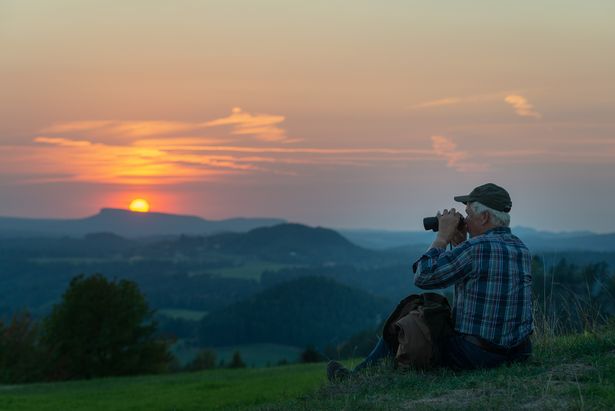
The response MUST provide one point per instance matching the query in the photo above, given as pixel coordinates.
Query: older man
(491, 274)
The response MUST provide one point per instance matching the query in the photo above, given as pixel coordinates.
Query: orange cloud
(170, 160)
(264, 127)
(63, 142)
(163, 152)
(106, 163)
(449, 101)
(456, 159)
(522, 106)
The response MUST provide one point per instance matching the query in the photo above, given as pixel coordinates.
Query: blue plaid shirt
(493, 285)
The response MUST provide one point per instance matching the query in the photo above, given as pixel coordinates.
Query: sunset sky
(338, 113)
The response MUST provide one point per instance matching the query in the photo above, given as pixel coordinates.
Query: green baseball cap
(491, 195)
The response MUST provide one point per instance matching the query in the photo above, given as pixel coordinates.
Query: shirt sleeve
(438, 268)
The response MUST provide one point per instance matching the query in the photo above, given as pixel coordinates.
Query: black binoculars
(432, 223)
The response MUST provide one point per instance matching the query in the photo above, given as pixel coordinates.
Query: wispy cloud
(63, 142)
(522, 106)
(459, 160)
(263, 127)
(77, 151)
(449, 101)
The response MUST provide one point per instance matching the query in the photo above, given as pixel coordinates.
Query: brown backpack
(415, 329)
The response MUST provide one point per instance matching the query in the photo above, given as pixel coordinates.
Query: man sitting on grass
(491, 273)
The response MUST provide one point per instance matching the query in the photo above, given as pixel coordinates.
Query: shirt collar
(498, 230)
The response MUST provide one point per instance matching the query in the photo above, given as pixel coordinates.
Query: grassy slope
(569, 372)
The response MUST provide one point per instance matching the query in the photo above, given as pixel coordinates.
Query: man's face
(474, 222)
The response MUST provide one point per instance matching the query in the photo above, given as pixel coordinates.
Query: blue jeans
(457, 353)
(460, 354)
(380, 351)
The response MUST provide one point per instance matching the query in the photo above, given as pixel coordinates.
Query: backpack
(415, 329)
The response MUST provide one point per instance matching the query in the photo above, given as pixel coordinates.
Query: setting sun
(139, 205)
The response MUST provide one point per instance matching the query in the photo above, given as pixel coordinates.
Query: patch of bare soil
(459, 398)
(546, 403)
(570, 372)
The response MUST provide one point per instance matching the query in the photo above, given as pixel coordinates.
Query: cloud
(130, 164)
(449, 101)
(168, 152)
(438, 103)
(263, 127)
(445, 147)
(522, 106)
(169, 160)
(63, 142)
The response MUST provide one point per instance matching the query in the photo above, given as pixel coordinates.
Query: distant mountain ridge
(129, 224)
(536, 240)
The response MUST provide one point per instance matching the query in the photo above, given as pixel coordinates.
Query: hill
(291, 243)
(309, 310)
(127, 224)
(568, 372)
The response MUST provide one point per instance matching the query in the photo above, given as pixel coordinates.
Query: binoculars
(432, 223)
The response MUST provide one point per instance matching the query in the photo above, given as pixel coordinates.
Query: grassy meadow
(205, 390)
(566, 372)
(573, 372)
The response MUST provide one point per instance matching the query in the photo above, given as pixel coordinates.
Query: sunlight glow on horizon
(139, 205)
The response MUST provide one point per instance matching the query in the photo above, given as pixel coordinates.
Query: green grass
(178, 313)
(250, 270)
(566, 372)
(207, 390)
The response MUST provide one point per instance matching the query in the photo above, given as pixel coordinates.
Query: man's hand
(447, 222)
(461, 234)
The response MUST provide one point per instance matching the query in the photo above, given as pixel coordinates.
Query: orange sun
(139, 205)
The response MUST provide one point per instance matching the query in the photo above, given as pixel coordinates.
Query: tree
(22, 359)
(103, 328)
(204, 360)
(311, 355)
(237, 362)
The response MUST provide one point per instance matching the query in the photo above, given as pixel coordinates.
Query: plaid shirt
(493, 285)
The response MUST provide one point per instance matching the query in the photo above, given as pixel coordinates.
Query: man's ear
(485, 217)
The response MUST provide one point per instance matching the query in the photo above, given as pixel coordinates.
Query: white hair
(498, 218)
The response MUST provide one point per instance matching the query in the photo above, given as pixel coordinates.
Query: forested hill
(289, 243)
(309, 310)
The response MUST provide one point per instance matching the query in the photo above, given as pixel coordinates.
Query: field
(566, 372)
(206, 390)
(253, 355)
(182, 314)
(249, 270)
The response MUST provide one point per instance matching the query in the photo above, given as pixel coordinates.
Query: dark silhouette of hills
(296, 243)
(128, 224)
